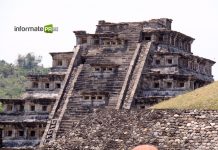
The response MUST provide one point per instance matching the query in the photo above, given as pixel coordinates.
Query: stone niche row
(27, 107)
(12, 131)
(181, 41)
(44, 85)
(94, 100)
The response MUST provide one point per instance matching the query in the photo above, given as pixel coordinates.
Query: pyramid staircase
(133, 76)
(87, 82)
(69, 107)
(59, 107)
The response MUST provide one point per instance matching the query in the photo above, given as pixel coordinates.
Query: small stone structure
(121, 66)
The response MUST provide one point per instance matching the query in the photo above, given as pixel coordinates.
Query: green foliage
(28, 61)
(0, 107)
(6, 69)
(12, 77)
(12, 86)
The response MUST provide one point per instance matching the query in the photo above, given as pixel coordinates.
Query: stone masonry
(124, 129)
(127, 65)
(23, 121)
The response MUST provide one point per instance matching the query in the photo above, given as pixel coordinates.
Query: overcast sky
(196, 18)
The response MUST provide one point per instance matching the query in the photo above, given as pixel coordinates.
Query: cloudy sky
(196, 18)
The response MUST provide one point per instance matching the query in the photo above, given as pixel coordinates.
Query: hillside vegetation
(13, 76)
(202, 98)
(11, 80)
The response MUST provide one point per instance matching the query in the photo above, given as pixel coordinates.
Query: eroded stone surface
(165, 129)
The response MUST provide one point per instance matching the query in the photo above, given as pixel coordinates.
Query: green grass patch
(0, 107)
(13, 78)
(202, 98)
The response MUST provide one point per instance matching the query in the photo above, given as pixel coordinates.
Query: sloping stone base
(122, 129)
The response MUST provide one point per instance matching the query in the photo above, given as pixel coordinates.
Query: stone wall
(122, 130)
(21, 134)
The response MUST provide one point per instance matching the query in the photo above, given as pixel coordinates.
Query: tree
(6, 69)
(12, 77)
(28, 61)
(20, 61)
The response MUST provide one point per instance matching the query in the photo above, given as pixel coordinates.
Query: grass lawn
(202, 98)
(0, 107)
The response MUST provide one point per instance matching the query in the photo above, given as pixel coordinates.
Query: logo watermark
(46, 29)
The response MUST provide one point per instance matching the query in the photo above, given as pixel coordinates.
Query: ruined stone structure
(23, 121)
(122, 66)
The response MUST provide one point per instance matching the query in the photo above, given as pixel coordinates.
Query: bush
(12, 77)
